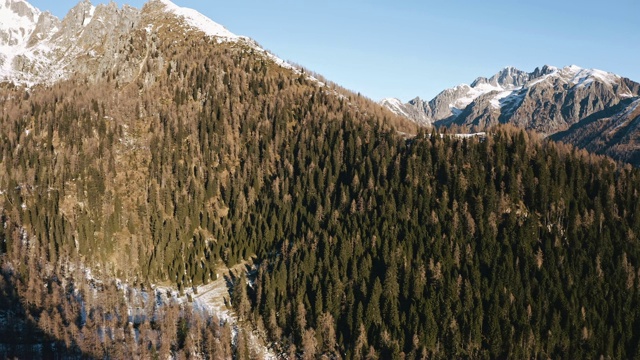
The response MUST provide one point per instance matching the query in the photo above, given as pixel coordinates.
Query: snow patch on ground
(213, 299)
(467, 136)
(89, 16)
(496, 102)
(460, 136)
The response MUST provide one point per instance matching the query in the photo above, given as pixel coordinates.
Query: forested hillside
(497, 247)
(370, 243)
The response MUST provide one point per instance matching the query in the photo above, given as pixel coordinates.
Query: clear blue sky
(404, 49)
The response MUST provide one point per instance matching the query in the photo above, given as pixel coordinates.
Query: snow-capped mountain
(22, 30)
(407, 110)
(36, 47)
(549, 99)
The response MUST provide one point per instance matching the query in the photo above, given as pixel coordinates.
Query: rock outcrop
(91, 42)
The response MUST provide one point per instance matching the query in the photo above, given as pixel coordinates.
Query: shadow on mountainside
(585, 132)
(20, 335)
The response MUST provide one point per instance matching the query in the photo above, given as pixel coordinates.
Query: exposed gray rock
(450, 102)
(508, 77)
(614, 131)
(593, 109)
(414, 109)
(45, 49)
(447, 106)
(547, 100)
(92, 42)
(17, 23)
(420, 104)
(46, 26)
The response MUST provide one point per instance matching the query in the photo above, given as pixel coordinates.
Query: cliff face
(90, 41)
(614, 131)
(36, 47)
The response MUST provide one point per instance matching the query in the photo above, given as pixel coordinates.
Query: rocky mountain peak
(548, 99)
(47, 25)
(540, 72)
(415, 109)
(507, 78)
(76, 19)
(37, 47)
(21, 8)
(418, 102)
(18, 21)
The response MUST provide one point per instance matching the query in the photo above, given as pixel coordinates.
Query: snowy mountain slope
(20, 21)
(408, 110)
(196, 20)
(548, 100)
(36, 47)
(49, 48)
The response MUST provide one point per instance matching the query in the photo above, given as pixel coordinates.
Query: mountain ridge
(38, 48)
(449, 103)
(547, 100)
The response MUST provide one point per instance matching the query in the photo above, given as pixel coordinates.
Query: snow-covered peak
(195, 19)
(37, 47)
(576, 76)
(394, 104)
(21, 8)
(18, 19)
(580, 76)
(501, 96)
(392, 101)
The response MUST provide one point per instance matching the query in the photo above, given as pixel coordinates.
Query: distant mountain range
(570, 103)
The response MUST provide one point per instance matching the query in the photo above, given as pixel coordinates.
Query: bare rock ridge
(38, 48)
(49, 49)
(411, 111)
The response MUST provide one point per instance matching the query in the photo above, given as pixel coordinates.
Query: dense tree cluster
(494, 247)
(370, 244)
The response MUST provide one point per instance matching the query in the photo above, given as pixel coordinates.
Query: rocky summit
(38, 48)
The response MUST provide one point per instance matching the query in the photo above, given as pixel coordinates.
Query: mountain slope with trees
(368, 242)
